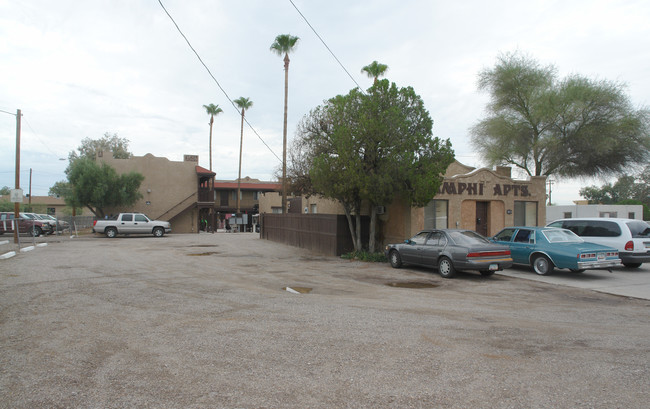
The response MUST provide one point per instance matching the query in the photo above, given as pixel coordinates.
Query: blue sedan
(546, 248)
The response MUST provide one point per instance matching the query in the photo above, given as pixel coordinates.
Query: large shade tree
(97, 186)
(244, 104)
(568, 127)
(370, 148)
(283, 45)
(212, 110)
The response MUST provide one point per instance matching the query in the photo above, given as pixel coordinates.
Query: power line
(326, 46)
(215, 80)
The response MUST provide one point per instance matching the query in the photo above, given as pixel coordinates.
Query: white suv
(631, 237)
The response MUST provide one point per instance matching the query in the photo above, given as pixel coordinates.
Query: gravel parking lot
(205, 321)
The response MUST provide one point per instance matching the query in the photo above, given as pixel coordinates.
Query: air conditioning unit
(380, 209)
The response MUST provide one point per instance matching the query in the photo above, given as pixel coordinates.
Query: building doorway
(482, 218)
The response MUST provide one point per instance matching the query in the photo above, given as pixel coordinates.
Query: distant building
(186, 194)
(582, 209)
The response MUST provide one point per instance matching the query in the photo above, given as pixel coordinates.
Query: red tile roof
(203, 171)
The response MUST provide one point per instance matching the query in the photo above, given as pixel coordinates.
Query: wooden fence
(328, 234)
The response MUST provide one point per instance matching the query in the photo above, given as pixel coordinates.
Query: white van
(631, 237)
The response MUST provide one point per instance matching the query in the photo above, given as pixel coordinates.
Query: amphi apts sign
(478, 189)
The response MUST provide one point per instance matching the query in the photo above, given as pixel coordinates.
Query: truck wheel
(158, 231)
(35, 231)
(111, 232)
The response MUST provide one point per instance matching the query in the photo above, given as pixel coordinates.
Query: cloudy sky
(79, 69)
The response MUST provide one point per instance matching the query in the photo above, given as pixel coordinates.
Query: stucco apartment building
(186, 194)
(483, 200)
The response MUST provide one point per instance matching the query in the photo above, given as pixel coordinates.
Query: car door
(432, 248)
(141, 224)
(126, 225)
(411, 252)
(522, 245)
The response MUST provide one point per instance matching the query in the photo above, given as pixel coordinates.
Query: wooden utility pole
(17, 205)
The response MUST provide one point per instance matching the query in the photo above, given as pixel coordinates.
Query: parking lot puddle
(207, 253)
(301, 290)
(412, 284)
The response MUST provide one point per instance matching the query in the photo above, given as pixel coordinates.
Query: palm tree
(375, 70)
(243, 104)
(284, 44)
(212, 110)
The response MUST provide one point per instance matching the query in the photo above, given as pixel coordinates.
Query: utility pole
(30, 189)
(550, 187)
(17, 205)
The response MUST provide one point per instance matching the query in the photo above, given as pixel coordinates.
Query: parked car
(631, 237)
(25, 224)
(546, 248)
(449, 251)
(61, 225)
(131, 223)
(46, 227)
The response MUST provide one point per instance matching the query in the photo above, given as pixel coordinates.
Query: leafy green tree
(570, 127)
(243, 104)
(98, 186)
(375, 70)
(629, 189)
(119, 147)
(284, 44)
(371, 148)
(212, 110)
(5, 191)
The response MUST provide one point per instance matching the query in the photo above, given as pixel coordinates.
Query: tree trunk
(373, 229)
(358, 226)
(348, 216)
(241, 144)
(284, 134)
(211, 121)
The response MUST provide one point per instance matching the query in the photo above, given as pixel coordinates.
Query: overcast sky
(79, 69)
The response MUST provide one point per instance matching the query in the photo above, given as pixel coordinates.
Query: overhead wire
(215, 79)
(325, 44)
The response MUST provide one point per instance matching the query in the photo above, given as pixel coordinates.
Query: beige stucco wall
(166, 183)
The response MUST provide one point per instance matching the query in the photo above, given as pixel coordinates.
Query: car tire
(35, 231)
(632, 265)
(158, 232)
(111, 232)
(395, 259)
(487, 273)
(446, 267)
(577, 270)
(542, 265)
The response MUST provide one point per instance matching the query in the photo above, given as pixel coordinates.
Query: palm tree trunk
(241, 144)
(284, 134)
(211, 122)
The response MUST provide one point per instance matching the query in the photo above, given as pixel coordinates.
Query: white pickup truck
(131, 223)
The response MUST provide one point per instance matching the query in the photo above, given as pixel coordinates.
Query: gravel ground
(203, 321)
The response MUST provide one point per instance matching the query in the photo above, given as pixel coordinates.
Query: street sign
(16, 195)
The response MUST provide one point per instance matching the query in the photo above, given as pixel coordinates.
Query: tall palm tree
(284, 44)
(375, 70)
(212, 110)
(243, 104)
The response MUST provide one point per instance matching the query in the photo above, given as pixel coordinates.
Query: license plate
(494, 267)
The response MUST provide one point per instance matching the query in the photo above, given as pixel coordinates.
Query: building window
(52, 211)
(313, 208)
(568, 215)
(608, 214)
(256, 195)
(276, 210)
(631, 215)
(436, 214)
(525, 213)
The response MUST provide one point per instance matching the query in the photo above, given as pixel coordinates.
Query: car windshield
(561, 236)
(467, 237)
